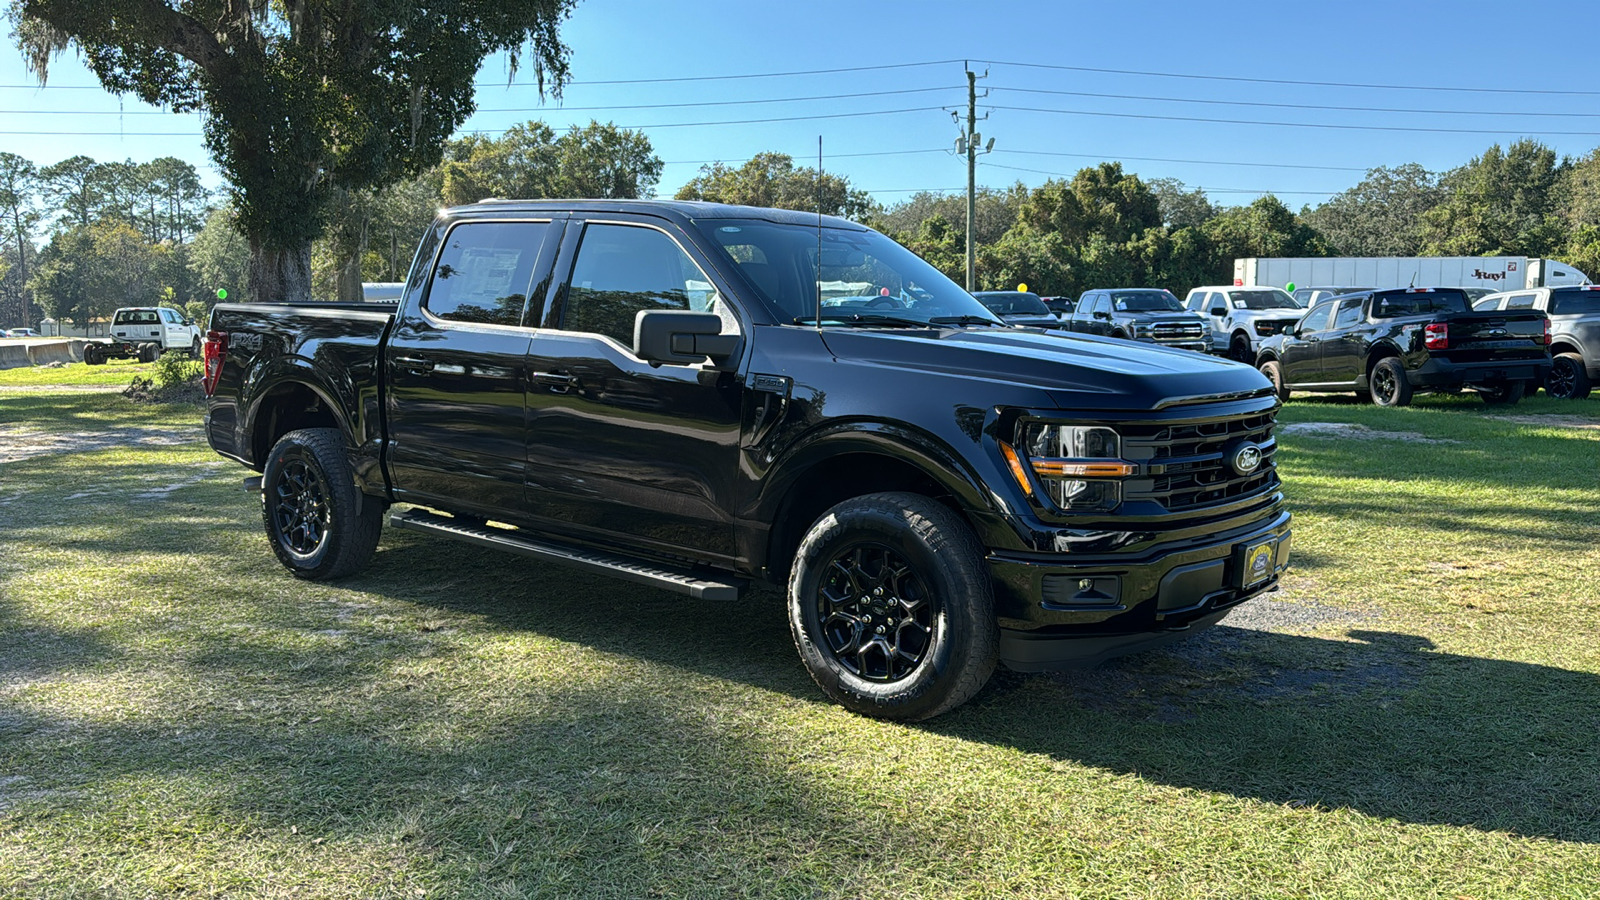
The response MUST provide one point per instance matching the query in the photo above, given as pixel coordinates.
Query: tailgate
(1495, 336)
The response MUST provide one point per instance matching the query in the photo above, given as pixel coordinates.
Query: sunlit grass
(180, 717)
(114, 371)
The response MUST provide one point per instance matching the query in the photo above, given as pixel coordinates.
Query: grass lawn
(1417, 713)
(114, 371)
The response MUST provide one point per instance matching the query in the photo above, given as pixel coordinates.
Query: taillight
(1436, 336)
(215, 349)
(1547, 332)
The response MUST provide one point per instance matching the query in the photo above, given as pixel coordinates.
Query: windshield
(136, 317)
(1263, 298)
(1418, 303)
(863, 275)
(1575, 301)
(1013, 303)
(1145, 301)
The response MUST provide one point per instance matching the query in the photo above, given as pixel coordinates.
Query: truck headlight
(1079, 466)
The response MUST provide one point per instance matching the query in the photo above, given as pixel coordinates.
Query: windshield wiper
(964, 320)
(857, 320)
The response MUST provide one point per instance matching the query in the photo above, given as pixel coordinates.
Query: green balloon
(1289, 287)
(222, 293)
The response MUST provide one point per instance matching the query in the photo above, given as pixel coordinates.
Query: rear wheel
(1502, 393)
(319, 525)
(92, 355)
(148, 353)
(1568, 380)
(1274, 372)
(1388, 385)
(891, 608)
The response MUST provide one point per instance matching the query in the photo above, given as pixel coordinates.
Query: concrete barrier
(43, 354)
(75, 347)
(14, 355)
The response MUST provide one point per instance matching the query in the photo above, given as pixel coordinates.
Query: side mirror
(680, 337)
(1219, 311)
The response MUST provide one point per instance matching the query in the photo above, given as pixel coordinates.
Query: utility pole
(968, 143)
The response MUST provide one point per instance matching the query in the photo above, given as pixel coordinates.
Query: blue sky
(1158, 126)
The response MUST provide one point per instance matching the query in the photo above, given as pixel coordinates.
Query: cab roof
(683, 211)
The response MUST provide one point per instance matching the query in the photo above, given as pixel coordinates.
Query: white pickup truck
(144, 333)
(1242, 316)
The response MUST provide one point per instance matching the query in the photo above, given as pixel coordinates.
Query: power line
(1377, 109)
(913, 65)
(1478, 131)
(1200, 162)
(142, 112)
(1206, 189)
(1344, 84)
(702, 162)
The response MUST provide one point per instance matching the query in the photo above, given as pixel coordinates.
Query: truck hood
(1077, 371)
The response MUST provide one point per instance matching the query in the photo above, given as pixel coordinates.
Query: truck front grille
(1175, 332)
(1189, 465)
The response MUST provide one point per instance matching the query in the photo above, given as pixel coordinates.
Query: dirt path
(19, 442)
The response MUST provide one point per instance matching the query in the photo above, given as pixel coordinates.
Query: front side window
(484, 272)
(623, 270)
(1317, 319)
(1349, 313)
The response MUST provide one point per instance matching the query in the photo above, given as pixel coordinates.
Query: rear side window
(1521, 301)
(1573, 303)
(622, 270)
(1349, 313)
(484, 272)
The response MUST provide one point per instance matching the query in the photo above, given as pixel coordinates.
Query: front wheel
(1568, 379)
(1239, 349)
(319, 525)
(196, 349)
(891, 608)
(1502, 393)
(1274, 372)
(92, 355)
(1388, 385)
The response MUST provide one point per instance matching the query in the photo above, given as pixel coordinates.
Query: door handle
(1313, 340)
(558, 382)
(414, 363)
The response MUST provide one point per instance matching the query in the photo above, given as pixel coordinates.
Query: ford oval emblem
(1246, 458)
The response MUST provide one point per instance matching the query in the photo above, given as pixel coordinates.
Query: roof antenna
(819, 232)
(1414, 275)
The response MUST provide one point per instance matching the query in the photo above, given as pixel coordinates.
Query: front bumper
(1058, 612)
(1438, 373)
(1197, 345)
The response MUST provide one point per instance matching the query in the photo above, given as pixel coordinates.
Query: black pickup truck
(1390, 344)
(1151, 315)
(647, 389)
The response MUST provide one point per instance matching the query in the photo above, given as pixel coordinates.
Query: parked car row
(1391, 344)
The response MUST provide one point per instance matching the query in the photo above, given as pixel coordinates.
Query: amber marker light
(1017, 471)
(1054, 468)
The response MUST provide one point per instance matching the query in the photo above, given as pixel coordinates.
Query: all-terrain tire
(1568, 379)
(1388, 385)
(1274, 372)
(891, 608)
(318, 523)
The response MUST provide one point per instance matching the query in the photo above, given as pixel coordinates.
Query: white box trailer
(1500, 273)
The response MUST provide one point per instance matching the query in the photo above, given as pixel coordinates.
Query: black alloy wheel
(891, 607)
(1568, 380)
(877, 615)
(299, 508)
(318, 522)
(1239, 349)
(1388, 384)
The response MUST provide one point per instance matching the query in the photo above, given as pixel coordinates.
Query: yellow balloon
(1022, 288)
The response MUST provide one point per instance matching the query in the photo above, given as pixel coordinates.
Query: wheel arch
(867, 458)
(286, 403)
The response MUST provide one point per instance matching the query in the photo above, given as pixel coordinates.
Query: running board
(588, 560)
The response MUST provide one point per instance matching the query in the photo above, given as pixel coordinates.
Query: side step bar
(578, 558)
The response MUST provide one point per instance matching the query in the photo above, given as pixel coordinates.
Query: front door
(457, 369)
(618, 447)
(1344, 353)
(1301, 354)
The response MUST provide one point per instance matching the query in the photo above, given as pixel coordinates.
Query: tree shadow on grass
(1379, 722)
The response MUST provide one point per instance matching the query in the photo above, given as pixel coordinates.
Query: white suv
(1241, 316)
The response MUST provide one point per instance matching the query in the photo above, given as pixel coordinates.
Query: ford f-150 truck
(1390, 344)
(144, 333)
(1574, 334)
(1151, 315)
(648, 389)
(1242, 317)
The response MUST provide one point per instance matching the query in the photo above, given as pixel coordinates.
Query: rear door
(456, 368)
(617, 447)
(1344, 348)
